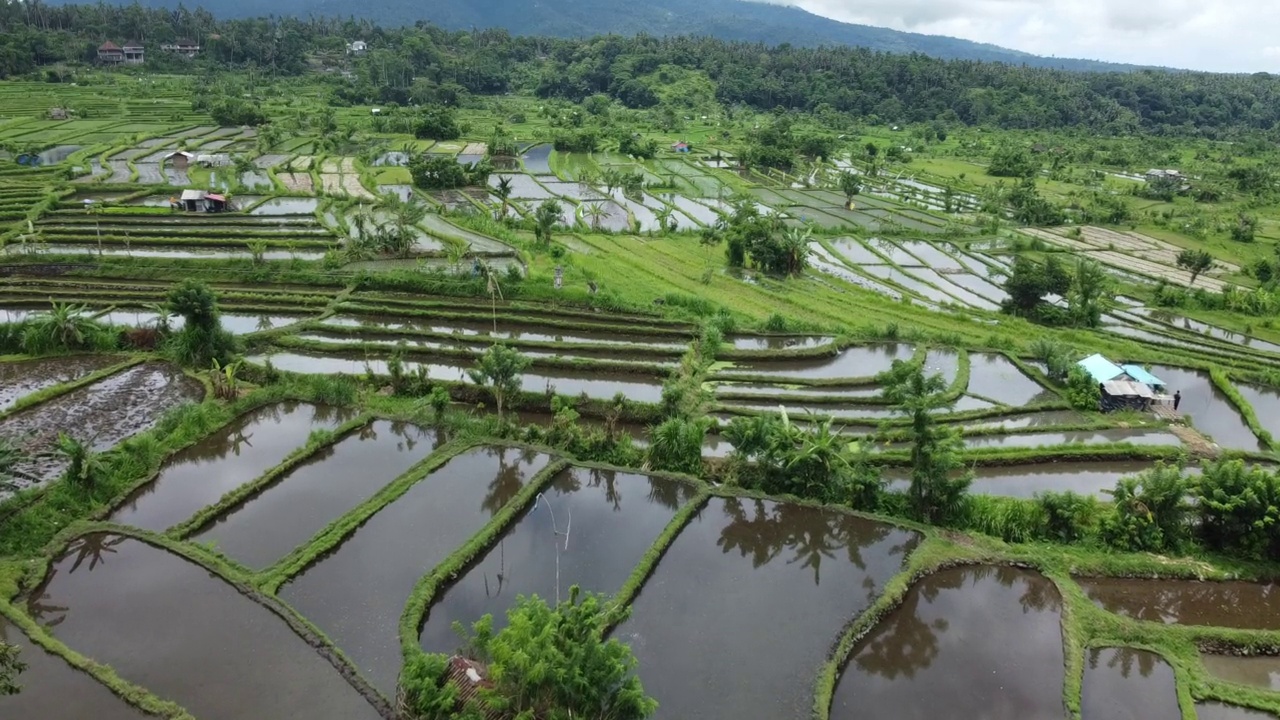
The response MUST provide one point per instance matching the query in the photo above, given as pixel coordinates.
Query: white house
(357, 47)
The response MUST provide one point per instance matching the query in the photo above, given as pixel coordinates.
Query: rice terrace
(398, 373)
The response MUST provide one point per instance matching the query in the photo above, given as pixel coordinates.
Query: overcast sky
(1226, 35)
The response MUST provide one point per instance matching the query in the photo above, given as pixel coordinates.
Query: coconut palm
(503, 191)
(666, 219)
(456, 254)
(398, 235)
(795, 248)
(64, 327)
(595, 211)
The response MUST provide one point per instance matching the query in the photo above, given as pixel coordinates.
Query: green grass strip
(1223, 382)
(429, 585)
(300, 558)
(319, 440)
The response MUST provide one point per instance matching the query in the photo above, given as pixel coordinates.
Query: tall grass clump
(202, 340)
(65, 328)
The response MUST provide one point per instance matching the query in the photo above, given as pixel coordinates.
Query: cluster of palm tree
(389, 229)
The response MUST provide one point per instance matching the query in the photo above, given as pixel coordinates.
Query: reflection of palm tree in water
(814, 534)
(1124, 659)
(902, 645)
(609, 479)
(94, 548)
(669, 494)
(506, 483)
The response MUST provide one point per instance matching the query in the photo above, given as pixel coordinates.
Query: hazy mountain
(724, 19)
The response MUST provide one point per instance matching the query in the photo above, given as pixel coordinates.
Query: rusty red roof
(108, 45)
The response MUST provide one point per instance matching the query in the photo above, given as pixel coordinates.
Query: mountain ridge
(732, 20)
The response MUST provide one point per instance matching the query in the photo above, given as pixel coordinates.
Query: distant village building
(110, 52)
(200, 201)
(213, 159)
(179, 160)
(134, 54)
(357, 47)
(183, 47)
(58, 113)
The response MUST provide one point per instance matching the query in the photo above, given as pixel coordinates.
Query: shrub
(676, 444)
(1068, 517)
(1082, 392)
(1239, 509)
(1149, 511)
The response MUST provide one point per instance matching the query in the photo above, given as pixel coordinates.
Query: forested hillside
(732, 20)
(426, 64)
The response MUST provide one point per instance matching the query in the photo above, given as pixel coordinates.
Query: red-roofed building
(110, 52)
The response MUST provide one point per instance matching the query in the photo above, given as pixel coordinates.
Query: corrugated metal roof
(193, 194)
(1139, 373)
(1127, 388)
(1101, 368)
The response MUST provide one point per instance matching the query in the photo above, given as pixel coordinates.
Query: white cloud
(1229, 35)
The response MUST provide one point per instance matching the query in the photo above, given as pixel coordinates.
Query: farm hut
(215, 203)
(193, 200)
(213, 159)
(179, 160)
(58, 113)
(680, 147)
(110, 52)
(1124, 386)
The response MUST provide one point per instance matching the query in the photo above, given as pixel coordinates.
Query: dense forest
(733, 20)
(416, 64)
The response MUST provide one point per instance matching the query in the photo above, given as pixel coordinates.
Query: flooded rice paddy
(1261, 671)
(228, 458)
(101, 415)
(1025, 481)
(1219, 711)
(1211, 411)
(950, 645)
(588, 528)
(1086, 437)
(265, 527)
(19, 379)
(1121, 683)
(853, 362)
(996, 377)
(740, 613)
(1232, 604)
(53, 689)
(167, 624)
(357, 592)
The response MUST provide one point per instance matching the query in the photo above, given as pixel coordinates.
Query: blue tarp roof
(1139, 373)
(1102, 369)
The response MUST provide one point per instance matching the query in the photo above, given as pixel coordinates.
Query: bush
(1082, 392)
(1150, 511)
(1068, 517)
(676, 444)
(1239, 509)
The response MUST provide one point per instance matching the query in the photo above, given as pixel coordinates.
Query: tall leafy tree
(939, 479)
(499, 369)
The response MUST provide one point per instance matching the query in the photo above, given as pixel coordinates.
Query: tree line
(856, 82)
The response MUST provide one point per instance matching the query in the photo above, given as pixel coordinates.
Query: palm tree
(503, 191)
(795, 244)
(64, 327)
(456, 254)
(84, 466)
(595, 211)
(666, 219)
(405, 214)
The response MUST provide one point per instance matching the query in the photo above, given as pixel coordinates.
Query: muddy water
(201, 474)
(170, 626)
(18, 379)
(1248, 606)
(287, 206)
(1211, 412)
(537, 160)
(507, 330)
(267, 526)
(1026, 420)
(1024, 481)
(1266, 405)
(615, 518)
(102, 414)
(53, 689)
(706, 626)
(565, 382)
(1086, 437)
(853, 362)
(357, 592)
(777, 342)
(1259, 671)
(994, 376)
(950, 646)
(1122, 683)
(1219, 711)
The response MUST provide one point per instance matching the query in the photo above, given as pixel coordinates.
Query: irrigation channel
(298, 545)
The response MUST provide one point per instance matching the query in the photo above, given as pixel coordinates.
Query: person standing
(1177, 400)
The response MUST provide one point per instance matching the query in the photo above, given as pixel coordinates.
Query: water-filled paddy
(743, 607)
(100, 415)
(287, 206)
(18, 379)
(266, 526)
(356, 593)
(852, 362)
(1219, 711)
(777, 342)
(588, 528)
(1025, 481)
(167, 624)
(53, 689)
(1047, 418)
(1233, 604)
(223, 461)
(1265, 402)
(995, 377)
(1122, 683)
(980, 642)
(1210, 410)
(1084, 437)
(506, 330)
(1261, 671)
